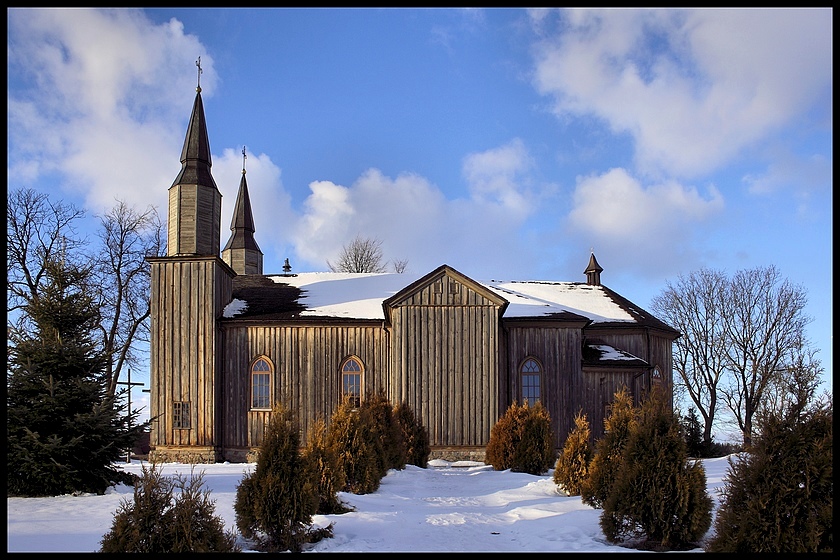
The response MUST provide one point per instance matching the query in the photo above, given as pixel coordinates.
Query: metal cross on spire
(198, 63)
(244, 157)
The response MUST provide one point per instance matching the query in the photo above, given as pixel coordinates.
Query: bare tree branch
(127, 236)
(38, 231)
(695, 306)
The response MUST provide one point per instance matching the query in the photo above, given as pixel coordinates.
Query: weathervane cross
(198, 63)
(244, 157)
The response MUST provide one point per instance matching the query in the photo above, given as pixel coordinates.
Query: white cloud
(692, 87)
(92, 97)
(645, 223)
(416, 222)
(497, 177)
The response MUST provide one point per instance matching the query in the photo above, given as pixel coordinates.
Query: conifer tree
(329, 476)
(572, 467)
(357, 444)
(160, 520)
(693, 434)
(521, 440)
(659, 499)
(609, 449)
(415, 436)
(535, 452)
(64, 431)
(778, 496)
(274, 504)
(387, 429)
(504, 436)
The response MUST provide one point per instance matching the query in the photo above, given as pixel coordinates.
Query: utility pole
(130, 385)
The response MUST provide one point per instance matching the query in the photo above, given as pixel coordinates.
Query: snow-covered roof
(361, 295)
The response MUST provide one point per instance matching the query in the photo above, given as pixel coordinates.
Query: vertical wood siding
(187, 298)
(559, 352)
(194, 225)
(444, 361)
(306, 376)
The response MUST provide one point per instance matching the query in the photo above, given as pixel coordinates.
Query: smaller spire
(198, 63)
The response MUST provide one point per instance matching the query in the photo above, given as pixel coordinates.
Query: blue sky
(505, 143)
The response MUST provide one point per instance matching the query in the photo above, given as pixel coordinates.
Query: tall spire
(241, 251)
(195, 155)
(195, 203)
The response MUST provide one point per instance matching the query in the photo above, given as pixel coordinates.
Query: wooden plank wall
(444, 362)
(306, 378)
(184, 361)
(194, 224)
(559, 352)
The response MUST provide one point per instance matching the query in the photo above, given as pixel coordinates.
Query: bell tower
(195, 204)
(189, 289)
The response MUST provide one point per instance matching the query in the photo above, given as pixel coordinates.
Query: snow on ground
(448, 507)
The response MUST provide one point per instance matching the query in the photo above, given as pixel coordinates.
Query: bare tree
(797, 384)
(695, 306)
(38, 231)
(124, 288)
(363, 254)
(743, 341)
(399, 266)
(764, 328)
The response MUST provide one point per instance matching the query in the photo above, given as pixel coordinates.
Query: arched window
(530, 375)
(351, 380)
(261, 384)
(657, 375)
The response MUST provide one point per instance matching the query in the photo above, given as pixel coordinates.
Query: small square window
(181, 415)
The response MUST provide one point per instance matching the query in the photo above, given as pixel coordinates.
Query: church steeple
(593, 271)
(242, 252)
(195, 203)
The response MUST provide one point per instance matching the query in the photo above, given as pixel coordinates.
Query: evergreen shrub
(572, 467)
(609, 450)
(158, 520)
(522, 440)
(329, 476)
(414, 434)
(658, 500)
(778, 496)
(387, 429)
(275, 502)
(356, 442)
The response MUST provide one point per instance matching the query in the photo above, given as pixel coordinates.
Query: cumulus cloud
(91, 108)
(685, 84)
(415, 220)
(498, 176)
(615, 210)
(274, 219)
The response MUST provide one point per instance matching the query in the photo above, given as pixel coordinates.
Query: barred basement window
(181, 415)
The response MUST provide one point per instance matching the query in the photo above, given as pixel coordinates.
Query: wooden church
(228, 341)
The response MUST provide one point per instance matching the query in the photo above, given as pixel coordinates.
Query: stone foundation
(453, 454)
(189, 455)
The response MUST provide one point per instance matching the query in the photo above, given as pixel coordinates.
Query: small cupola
(593, 271)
